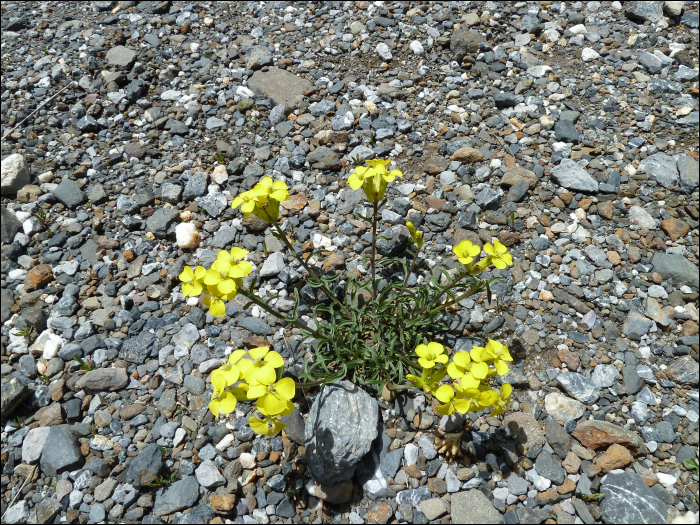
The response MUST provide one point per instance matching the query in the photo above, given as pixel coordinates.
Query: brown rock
(675, 228)
(516, 173)
(683, 370)
(465, 474)
(690, 328)
(56, 389)
(525, 430)
(334, 261)
(29, 193)
(130, 411)
(53, 415)
(508, 238)
(413, 471)
(253, 224)
(606, 209)
(567, 487)
(423, 421)
(469, 155)
(129, 255)
(223, 502)
(38, 277)
(435, 203)
(570, 358)
(614, 258)
(615, 457)
(379, 513)
(435, 165)
(437, 486)
(571, 463)
(634, 254)
(549, 496)
(599, 435)
(295, 203)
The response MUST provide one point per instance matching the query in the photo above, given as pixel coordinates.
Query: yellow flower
(276, 190)
(504, 399)
(221, 399)
(430, 354)
(380, 165)
(429, 379)
(192, 281)
(272, 397)
(262, 358)
(229, 373)
(416, 235)
(493, 351)
(271, 424)
(456, 399)
(499, 254)
(465, 252)
(462, 366)
(374, 180)
(217, 308)
(248, 201)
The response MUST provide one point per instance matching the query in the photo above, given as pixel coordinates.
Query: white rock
(410, 454)
(667, 480)
(18, 513)
(640, 216)
(578, 29)
(220, 175)
(673, 8)
(322, 242)
(33, 444)
(417, 48)
(180, 435)
(383, 51)
(688, 517)
(225, 442)
(15, 174)
(170, 94)
(273, 265)
(247, 460)
(244, 92)
(187, 235)
(588, 54)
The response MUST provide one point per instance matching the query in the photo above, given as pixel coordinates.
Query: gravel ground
(569, 131)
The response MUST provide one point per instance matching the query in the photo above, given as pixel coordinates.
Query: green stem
(438, 295)
(252, 297)
(374, 250)
(394, 388)
(475, 289)
(405, 279)
(312, 272)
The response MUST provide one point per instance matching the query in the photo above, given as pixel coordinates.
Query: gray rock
(650, 62)
(320, 108)
(196, 186)
(45, 511)
(33, 444)
(517, 485)
(324, 159)
(579, 387)
(661, 168)
(464, 42)
(565, 131)
(472, 506)
(97, 514)
(280, 86)
(557, 438)
(688, 170)
(17, 513)
(277, 114)
(628, 499)
(526, 432)
(273, 265)
(644, 11)
(61, 452)
(213, 204)
(214, 123)
(121, 57)
(9, 226)
(414, 497)
(15, 174)
(180, 495)
(684, 370)
(177, 127)
(549, 467)
(255, 325)
(639, 411)
(685, 74)
(604, 376)
(69, 193)
(144, 468)
(13, 393)
(677, 268)
(208, 475)
(257, 57)
(573, 177)
(160, 221)
(636, 325)
(340, 429)
(661, 433)
(103, 379)
(395, 241)
(487, 199)
(343, 122)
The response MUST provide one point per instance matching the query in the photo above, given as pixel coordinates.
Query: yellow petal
(498, 263)
(454, 371)
(248, 207)
(235, 356)
(238, 253)
(497, 411)
(462, 405)
(256, 391)
(507, 258)
(506, 391)
(436, 348)
(258, 353)
(442, 358)
(264, 376)
(355, 182)
(461, 358)
(240, 269)
(259, 426)
(479, 370)
(232, 374)
(218, 381)
(200, 272)
(425, 363)
(214, 408)
(274, 359)
(446, 410)
(212, 277)
(499, 247)
(226, 286)
(445, 393)
(217, 309)
(489, 249)
(227, 403)
(237, 202)
(271, 404)
(501, 367)
(244, 364)
(187, 274)
(187, 290)
(285, 388)
(469, 382)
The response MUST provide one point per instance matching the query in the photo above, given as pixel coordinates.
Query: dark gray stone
(255, 325)
(9, 226)
(579, 387)
(565, 131)
(180, 495)
(677, 268)
(61, 452)
(340, 429)
(160, 221)
(636, 325)
(549, 467)
(69, 193)
(394, 242)
(643, 11)
(13, 393)
(628, 499)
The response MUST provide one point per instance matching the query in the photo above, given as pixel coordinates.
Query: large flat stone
(280, 86)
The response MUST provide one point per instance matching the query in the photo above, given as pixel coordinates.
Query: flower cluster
(373, 180)
(220, 283)
(256, 377)
(263, 200)
(496, 255)
(469, 372)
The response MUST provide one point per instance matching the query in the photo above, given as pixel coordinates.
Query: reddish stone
(675, 228)
(38, 277)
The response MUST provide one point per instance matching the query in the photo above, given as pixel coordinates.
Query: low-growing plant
(220, 158)
(84, 365)
(376, 332)
(25, 332)
(692, 464)
(162, 481)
